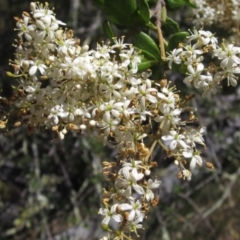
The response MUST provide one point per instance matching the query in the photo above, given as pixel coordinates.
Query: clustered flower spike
(102, 91)
(191, 56)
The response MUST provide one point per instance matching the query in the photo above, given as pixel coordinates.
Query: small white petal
(33, 70)
(138, 189)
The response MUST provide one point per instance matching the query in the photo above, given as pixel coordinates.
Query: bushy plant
(122, 91)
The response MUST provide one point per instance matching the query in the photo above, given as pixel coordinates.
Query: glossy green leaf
(147, 55)
(173, 4)
(120, 11)
(190, 3)
(170, 26)
(127, 13)
(176, 39)
(146, 64)
(107, 29)
(145, 43)
(158, 72)
(143, 10)
(152, 3)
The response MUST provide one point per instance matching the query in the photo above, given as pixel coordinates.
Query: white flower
(134, 225)
(186, 174)
(108, 123)
(71, 66)
(194, 136)
(55, 112)
(151, 185)
(25, 29)
(194, 75)
(34, 92)
(228, 55)
(130, 57)
(134, 208)
(203, 38)
(129, 166)
(145, 91)
(230, 75)
(119, 43)
(44, 13)
(37, 65)
(205, 81)
(65, 46)
(83, 111)
(46, 31)
(110, 89)
(196, 159)
(191, 54)
(129, 180)
(125, 110)
(113, 107)
(173, 140)
(142, 110)
(169, 119)
(174, 57)
(110, 214)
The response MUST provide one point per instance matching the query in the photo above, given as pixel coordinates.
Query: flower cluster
(224, 13)
(191, 57)
(67, 87)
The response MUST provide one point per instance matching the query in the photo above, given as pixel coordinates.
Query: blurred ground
(51, 189)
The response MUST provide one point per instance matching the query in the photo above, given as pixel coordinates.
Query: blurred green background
(51, 189)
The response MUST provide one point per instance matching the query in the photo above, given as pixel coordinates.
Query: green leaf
(148, 46)
(143, 10)
(147, 55)
(152, 1)
(127, 13)
(170, 26)
(174, 4)
(146, 64)
(107, 29)
(158, 72)
(176, 39)
(190, 3)
(120, 11)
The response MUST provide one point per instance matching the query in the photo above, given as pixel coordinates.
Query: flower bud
(33, 6)
(147, 172)
(25, 65)
(72, 126)
(25, 14)
(163, 83)
(84, 48)
(92, 123)
(83, 127)
(209, 165)
(61, 135)
(51, 58)
(176, 162)
(64, 131)
(17, 124)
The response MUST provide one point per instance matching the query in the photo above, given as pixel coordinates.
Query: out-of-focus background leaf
(51, 189)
